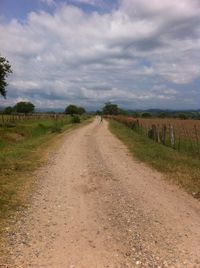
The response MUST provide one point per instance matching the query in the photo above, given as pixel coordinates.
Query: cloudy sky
(136, 53)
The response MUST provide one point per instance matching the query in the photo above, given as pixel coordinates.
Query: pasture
(181, 135)
(180, 168)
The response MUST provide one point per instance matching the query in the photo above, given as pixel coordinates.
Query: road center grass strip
(179, 168)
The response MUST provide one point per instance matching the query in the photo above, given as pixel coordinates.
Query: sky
(139, 54)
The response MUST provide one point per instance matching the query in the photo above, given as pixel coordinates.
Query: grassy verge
(180, 168)
(23, 147)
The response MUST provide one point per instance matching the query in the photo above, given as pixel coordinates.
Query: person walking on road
(101, 119)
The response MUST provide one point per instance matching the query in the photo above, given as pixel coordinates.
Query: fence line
(5, 119)
(181, 135)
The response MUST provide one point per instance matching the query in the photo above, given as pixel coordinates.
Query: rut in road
(96, 206)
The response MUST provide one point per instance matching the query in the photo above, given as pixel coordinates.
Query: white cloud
(88, 2)
(49, 2)
(24, 85)
(89, 58)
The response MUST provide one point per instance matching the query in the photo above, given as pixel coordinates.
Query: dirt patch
(13, 137)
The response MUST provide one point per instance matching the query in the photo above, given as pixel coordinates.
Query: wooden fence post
(172, 137)
(164, 131)
(158, 133)
(197, 139)
(154, 132)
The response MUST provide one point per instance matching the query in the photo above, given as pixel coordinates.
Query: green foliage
(182, 116)
(81, 110)
(146, 115)
(110, 109)
(56, 128)
(24, 107)
(162, 115)
(136, 115)
(5, 70)
(71, 109)
(122, 111)
(75, 119)
(8, 110)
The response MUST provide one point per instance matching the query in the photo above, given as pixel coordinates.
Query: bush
(41, 125)
(8, 110)
(136, 115)
(146, 115)
(182, 116)
(162, 115)
(75, 119)
(56, 128)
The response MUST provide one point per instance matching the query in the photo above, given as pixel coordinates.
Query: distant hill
(168, 111)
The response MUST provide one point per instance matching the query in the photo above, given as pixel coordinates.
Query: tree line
(28, 108)
(113, 109)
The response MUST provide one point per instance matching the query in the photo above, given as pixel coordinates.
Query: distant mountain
(43, 110)
(46, 110)
(168, 111)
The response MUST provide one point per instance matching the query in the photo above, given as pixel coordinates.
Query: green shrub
(56, 128)
(146, 115)
(162, 115)
(182, 116)
(75, 119)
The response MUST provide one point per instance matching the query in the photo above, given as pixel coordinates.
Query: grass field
(180, 168)
(22, 149)
(181, 135)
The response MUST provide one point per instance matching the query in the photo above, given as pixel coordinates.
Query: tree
(71, 109)
(8, 110)
(146, 115)
(162, 115)
(136, 114)
(5, 70)
(24, 107)
(110, 108)
(81, 110)
(122, 111)
(183, 116)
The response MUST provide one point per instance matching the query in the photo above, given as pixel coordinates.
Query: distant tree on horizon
(5, 70)
(182, 116)
(110, 109)
(24, 107)
(71, 109)
(162, 115)
(81, 110)
(136, 114)
(146, 115)
(8, 110)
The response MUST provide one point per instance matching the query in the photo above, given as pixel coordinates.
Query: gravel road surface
(95, 206)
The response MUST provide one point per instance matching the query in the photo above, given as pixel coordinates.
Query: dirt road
(95, 207)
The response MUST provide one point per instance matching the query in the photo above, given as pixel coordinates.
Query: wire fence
(13, 118)
(181, 135)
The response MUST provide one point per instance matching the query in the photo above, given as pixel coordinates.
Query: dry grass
(186, 133)
(179, 168)
(183, 128)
